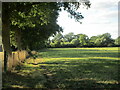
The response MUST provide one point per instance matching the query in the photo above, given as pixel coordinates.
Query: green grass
(67, 68)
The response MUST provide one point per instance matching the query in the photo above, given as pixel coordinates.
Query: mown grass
(67, 68)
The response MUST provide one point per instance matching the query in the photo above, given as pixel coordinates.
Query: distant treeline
(82, 40)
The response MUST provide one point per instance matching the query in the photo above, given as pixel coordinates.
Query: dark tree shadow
(69, 74)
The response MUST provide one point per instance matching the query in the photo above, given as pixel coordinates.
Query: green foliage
(75, 42)
(117, 41)
(38, 21)
(68, 37)
(68, 44)
(58, 37)
(82, 40)
(72, 7)
(55, 44)
(52, 44)
(12, 39)
(92, 40)
(0, 30)
(104, 40)
(37, 16)
(37, 25)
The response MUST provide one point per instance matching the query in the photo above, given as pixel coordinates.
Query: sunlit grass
(64, 59)
(65, 68)
(103, 48)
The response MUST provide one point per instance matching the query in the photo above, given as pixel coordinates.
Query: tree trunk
(18, 42)
(18, 39)
(6, 35)
(6, 44)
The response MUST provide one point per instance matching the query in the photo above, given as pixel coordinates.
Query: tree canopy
(82, 40)
(36, 20)
(26, 22)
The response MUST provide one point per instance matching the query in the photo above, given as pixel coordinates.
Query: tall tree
(18, 16)
(83, 40)
(92, 40)
(104, 40)
(117, 41)
(68, 37)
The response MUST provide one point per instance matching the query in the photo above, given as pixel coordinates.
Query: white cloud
(106, 4)
(101, 18)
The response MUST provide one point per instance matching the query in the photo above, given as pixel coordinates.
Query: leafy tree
(22, 16)
(56, 41)
(92, 40)
(117, 41)
(58, 37)
(104, 40)
(68, 37)
(34, 22)
(108, 41)
(68, 44)
(83, 40)
(75, 42)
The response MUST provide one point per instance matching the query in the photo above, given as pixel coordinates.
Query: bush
(75, 42)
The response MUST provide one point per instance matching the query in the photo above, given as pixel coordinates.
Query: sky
(101, 18)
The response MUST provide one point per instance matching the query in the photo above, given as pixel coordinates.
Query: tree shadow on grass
(83, 75)
(13, 80)
(70, 74)
(16, 79)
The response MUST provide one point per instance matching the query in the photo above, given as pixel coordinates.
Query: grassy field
(67, 68)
